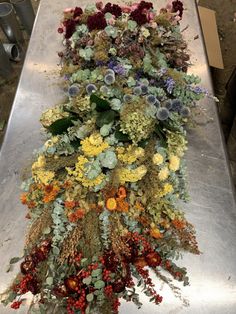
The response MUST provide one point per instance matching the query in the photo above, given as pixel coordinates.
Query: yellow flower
(132, 175)
(163, 174)
(39, 174)
(167, 188)
(130, 154)
(174, 163)
(157, 159)
(52, 115)
(40, 163)
(93, 145)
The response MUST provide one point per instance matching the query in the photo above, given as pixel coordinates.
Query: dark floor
(225, 14)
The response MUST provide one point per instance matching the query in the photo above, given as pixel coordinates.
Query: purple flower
(199, 90)
(119, 69)
(169, 84)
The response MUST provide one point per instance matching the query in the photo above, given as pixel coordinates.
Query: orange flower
(50, 193)
(111, 203)
(72, 217)
(70, 204)
(155, 233)
(80, 213)
(23, 198)
(140, 262)
(122, 205)
(179, 224)
(67, 184)
(31, 204)
(122, 192)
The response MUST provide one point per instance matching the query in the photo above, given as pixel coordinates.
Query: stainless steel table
(212, 206)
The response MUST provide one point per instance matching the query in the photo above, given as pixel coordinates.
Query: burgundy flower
(70, 28)
(119, 285)
(178, 6)
(153, 259)
(114, 9)
(96, 21)
(27, 266)
(139, 17)
(77, 12)
(33, 286)
(145, 5)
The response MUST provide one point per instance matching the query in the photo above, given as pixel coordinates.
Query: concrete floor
(225, 13)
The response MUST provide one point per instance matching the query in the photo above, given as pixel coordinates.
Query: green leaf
(87, 280)
(75, 143)
(14, 260)
(101, 104)
(96, 272)
(49, 281)
(99, 284)
(60, 126)
(89, 297)
(121, 136)
(105, 117)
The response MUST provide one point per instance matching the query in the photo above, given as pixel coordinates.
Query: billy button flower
(111, 204)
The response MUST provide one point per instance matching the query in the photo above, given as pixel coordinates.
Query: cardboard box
(211, 37)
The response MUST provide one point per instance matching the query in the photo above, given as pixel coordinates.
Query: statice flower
(73, 90)
(163, 114)
(169, 84)
(120, 70)
(91, 88)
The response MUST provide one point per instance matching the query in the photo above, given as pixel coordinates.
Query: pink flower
(99, 5)
(150, 16)
(68, 10)
(126, 9)
(111, 21)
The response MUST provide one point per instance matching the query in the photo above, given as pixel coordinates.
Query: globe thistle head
(151, 99)
(127, 98)
(157, 104)
(104, 90)
(137, 90)
(144, 89)
(185, 112)
(109, 79)
(91, 88)
(73, 90)
(176, 105)
(110, 71)
(168, 104)
(163, 114)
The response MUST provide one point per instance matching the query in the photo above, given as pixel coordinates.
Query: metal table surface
(212, 206)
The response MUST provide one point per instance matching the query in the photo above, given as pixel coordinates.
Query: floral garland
(105, 188)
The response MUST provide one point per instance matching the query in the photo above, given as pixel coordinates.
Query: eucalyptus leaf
(49, 281)
(96, 272)
(90, 297)
(15, 260)
(99, 284)
(87, 281)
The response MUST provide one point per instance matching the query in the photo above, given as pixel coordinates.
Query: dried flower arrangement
(105, 188)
